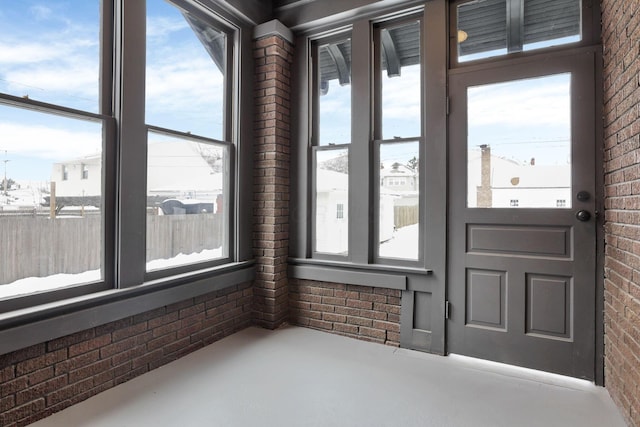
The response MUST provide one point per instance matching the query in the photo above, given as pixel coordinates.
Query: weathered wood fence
(405, 215)
(37, 246)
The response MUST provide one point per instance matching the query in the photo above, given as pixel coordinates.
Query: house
(505, 271)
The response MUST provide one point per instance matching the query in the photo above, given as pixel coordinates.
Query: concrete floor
(300, 377)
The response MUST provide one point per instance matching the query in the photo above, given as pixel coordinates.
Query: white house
(175, 169)
(497, 182)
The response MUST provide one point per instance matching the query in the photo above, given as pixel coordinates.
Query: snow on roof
(328, 180)
(188, 169)
(399, 170)
(508, 173)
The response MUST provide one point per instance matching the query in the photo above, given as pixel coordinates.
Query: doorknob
(583, 215)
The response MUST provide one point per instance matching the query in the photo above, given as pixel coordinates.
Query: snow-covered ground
(29, 195)
(30, 285)
(403, 244)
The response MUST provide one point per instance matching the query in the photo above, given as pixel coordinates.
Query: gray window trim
(428, 276)
(126, 290)
(590, 25)
(34, 325)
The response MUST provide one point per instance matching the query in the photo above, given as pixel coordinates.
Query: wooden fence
(37, 246)
(405, 215)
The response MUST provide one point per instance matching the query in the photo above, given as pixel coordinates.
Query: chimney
(485, 198)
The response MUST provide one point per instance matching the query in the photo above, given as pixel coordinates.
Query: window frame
(125, 288)
(105, 117)
(363, 228)
(313, 144)
(378, 139)
(588, 22)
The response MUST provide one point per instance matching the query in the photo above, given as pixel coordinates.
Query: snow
(403, 244)
(182, 259)
(30, 285)
(29, 195)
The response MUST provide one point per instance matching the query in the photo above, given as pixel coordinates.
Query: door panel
(521, 263)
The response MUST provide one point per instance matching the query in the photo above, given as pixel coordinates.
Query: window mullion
(129, 110)
(360, 152)
(515, 25)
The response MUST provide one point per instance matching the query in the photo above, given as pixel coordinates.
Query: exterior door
(522, 226)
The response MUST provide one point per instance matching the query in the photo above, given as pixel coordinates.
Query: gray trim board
(273, 28)
(341, 275)
(40, 324)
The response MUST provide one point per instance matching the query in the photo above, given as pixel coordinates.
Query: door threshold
(522, 373)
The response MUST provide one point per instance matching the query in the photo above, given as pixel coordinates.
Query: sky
(49, 51)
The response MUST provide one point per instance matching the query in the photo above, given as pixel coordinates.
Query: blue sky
(49, 51)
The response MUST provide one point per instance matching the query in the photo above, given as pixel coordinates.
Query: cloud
(162, 26)
(47, 142)
(401, 95)
(543, 101)
(41, 12)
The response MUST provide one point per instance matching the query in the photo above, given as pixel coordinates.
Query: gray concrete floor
(300, 377)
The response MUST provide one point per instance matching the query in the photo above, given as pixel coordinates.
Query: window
(188, 139)
(81, 188)
(488, 28)
(50, 116)
(331, 138)
(331, 188)
(397, 134)
(511, 155)
(388, 143)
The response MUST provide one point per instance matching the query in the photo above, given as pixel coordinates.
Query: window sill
(34, 325)
(377, 276)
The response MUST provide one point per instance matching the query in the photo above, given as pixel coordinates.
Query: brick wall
(366, 313)
(621, 40)
(37, 381)
(273, 56)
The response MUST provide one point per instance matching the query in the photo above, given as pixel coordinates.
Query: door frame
(539, 64)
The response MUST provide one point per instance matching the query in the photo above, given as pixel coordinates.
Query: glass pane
(50, 217)
(334, 78)
(50, 51)
(519, 144)
(332, 201)
(398, 227)
(401, 82)
(551, 23)
(482, 29)
(187, 201)
(483, 26)
(186, 60)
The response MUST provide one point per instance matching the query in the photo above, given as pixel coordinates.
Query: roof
(189, 170)
(485, 24)
(328, 180)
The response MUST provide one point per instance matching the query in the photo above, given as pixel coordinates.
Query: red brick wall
(37, 381)
(370, 314)
(273, 56)
(621, 40)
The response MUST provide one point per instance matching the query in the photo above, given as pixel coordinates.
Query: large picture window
(188, 144)
(51, 219)
(114, 115)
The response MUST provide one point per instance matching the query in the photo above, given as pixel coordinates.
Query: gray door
(522, 226)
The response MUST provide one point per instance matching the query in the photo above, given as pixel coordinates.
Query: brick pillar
(273, 56)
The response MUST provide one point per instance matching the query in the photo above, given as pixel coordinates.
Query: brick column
(273, 56)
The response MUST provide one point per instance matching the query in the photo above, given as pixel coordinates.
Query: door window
(519, 143)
